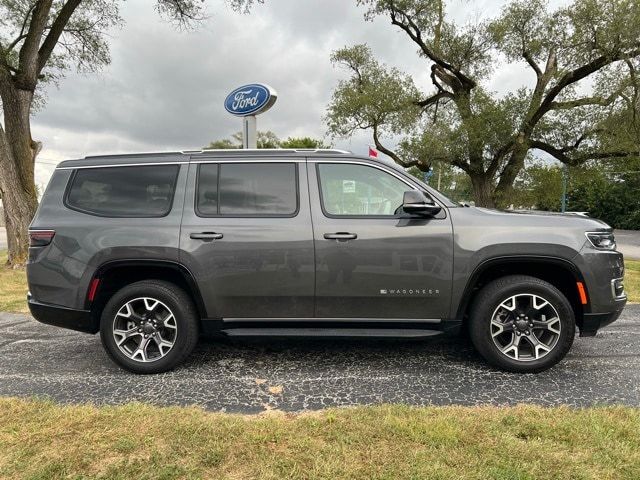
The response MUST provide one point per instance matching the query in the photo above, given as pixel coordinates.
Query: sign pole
(249, 132)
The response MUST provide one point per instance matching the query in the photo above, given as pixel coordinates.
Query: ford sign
(250, 100)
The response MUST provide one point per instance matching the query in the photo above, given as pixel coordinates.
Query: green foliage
(267, 139)
(302, 142)
(610, 196)
(539, 186)
(580, 104)
(608, 191)
(375, 95)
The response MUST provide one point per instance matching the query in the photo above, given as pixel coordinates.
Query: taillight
(40, 238)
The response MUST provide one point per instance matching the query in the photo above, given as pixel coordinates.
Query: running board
(331, 332)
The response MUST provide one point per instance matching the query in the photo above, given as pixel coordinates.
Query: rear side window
(247, 189)
(138, 191)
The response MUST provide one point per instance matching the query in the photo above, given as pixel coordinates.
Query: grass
(42, 440)
(13, 287)
(632, 280)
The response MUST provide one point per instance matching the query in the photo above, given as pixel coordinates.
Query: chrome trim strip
(237, 160)
(338, 320)
(613, 289)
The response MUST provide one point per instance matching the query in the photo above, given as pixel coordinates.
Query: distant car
(152, 250)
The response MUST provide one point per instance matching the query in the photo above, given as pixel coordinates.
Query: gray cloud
(165, 88)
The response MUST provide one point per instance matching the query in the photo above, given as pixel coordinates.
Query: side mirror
(416, 202)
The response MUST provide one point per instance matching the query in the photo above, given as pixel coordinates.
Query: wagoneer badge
(250, 99)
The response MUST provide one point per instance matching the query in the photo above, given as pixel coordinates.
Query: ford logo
(250, 99)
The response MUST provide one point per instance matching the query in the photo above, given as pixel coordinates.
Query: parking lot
(251, 376)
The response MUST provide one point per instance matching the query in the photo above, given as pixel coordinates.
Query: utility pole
(565, 175)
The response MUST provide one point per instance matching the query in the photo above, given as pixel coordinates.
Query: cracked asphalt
(250, 376)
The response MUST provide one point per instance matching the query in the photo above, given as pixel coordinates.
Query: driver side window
(359, 190)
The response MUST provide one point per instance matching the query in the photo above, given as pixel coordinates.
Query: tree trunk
(502, 192)
(482, 190)
(17, 159)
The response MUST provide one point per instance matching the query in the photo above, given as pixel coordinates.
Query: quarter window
(136, 191)
(359, 190)
(247, 189)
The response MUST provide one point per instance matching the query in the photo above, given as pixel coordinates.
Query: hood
(575, 219)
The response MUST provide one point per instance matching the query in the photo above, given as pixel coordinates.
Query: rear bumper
(592, 322)
(79, 320)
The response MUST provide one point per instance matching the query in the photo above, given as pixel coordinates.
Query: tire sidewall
(182, 313)
(486, 304)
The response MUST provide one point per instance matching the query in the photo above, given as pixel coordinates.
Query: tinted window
(247, 189)
(349, 189)
(208, 189)
(140, 191)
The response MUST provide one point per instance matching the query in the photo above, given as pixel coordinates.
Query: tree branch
(581, 102)
(527, 56)
(386, 151)
(433, 99)
(574, 76)
(29, 51)
(22, 35)
(55, 32)
(411, 29)
(561, 155)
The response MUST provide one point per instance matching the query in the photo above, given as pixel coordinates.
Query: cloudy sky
(165, 88)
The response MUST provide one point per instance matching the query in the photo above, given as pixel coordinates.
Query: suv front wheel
(522, 324)
(149, 326)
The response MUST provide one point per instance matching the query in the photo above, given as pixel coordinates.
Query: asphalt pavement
(629, 243)
(250, 376)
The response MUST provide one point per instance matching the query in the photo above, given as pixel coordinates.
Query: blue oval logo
(250, 100)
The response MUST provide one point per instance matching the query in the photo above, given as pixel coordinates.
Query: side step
(331, 332)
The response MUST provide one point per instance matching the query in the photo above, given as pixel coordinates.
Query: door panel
(250, 266)
(370, 264)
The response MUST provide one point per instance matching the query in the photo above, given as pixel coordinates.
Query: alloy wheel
(145, 329)
(525, 327)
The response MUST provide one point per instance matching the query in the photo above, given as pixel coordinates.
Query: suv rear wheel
(522, 324)
(149, 326)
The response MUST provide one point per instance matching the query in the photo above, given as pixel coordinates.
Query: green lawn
(632, 280)
(13, 287)
(42, 440)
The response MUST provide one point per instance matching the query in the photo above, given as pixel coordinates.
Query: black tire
(186, 322)
(490, 300)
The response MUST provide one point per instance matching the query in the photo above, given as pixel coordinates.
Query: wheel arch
(560, 272)
(115, 274)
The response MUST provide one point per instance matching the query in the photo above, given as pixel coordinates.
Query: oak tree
(582, 61)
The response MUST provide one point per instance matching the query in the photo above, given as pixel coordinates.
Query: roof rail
(265, 150)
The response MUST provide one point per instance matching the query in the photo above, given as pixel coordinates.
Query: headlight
(602, 240)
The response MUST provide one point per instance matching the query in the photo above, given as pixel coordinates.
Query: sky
(165, 88)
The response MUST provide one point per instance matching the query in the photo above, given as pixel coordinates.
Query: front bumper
(592, 322)
(79, 320)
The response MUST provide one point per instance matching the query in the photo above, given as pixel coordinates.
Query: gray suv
(153, 250)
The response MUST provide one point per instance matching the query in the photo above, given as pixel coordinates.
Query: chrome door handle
(340, 236)
(206, 236)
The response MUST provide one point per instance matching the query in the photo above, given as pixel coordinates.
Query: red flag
(373, 153)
